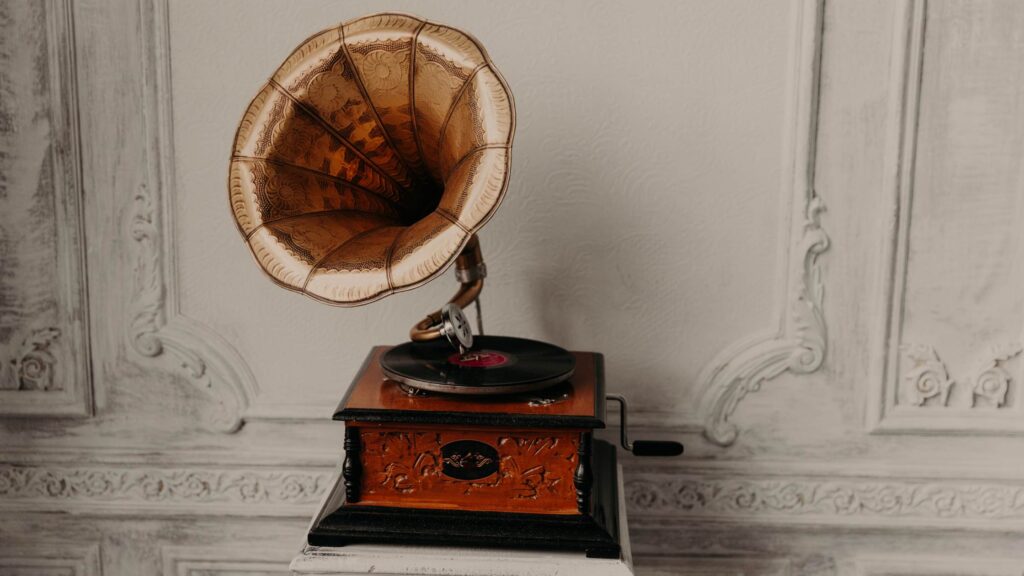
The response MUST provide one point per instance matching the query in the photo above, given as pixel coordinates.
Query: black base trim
(596, 534)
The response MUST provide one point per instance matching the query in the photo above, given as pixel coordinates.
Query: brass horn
(370, 159)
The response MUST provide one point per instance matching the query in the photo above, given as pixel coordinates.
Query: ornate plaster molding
(135, 489)
(206, 561)
(156, 329)
(799, 344)
(992, 381)
(716, 565)
(912, 388)
(31, 365)
(822, 498)
(928, 565)
(45, 366)
(928, 377)
(50, 557)
(833, 500)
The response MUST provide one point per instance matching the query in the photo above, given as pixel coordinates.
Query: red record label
(479, 359)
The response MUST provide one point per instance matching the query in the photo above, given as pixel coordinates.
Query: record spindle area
(496, 365)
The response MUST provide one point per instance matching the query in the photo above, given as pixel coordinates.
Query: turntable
(363, 168)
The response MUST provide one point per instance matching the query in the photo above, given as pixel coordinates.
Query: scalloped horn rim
(371, 157)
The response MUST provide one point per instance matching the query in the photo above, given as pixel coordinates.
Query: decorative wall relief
(992, 383)
(45, 558)
(798, 345)
(928, 378)
(31, 365)
(722, 494)
(833, 500)
(114, 489)
(207, 561)
(44, 353)
(713, 565)
(932, 565)
(950, 313)
(156, 330)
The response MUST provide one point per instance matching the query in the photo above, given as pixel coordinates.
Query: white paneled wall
(793, 228)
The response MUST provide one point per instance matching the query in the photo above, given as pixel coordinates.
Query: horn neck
(470, 270)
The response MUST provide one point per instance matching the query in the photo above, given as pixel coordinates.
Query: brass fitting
(470, 271)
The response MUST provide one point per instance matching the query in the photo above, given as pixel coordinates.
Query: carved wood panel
(533, 472)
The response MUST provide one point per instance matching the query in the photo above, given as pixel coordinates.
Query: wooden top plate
(576, 403)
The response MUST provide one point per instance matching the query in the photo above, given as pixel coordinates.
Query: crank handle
(642, 447)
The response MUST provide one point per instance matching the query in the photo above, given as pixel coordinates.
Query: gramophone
(365, 167)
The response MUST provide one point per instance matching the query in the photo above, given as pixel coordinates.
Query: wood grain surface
(404, 467)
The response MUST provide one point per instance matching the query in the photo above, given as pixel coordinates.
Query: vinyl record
(495, 365)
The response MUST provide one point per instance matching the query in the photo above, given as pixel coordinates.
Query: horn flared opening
(371, 157)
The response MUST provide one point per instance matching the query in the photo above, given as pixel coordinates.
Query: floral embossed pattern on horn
(370, 158)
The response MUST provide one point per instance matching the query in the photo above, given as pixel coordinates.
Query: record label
(481, 359)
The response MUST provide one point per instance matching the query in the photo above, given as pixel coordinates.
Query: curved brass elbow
(470, 270)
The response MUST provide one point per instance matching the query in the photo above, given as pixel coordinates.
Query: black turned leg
(583, 478)
(351, 470)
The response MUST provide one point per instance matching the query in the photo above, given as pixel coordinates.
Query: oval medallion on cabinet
(468, 460)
